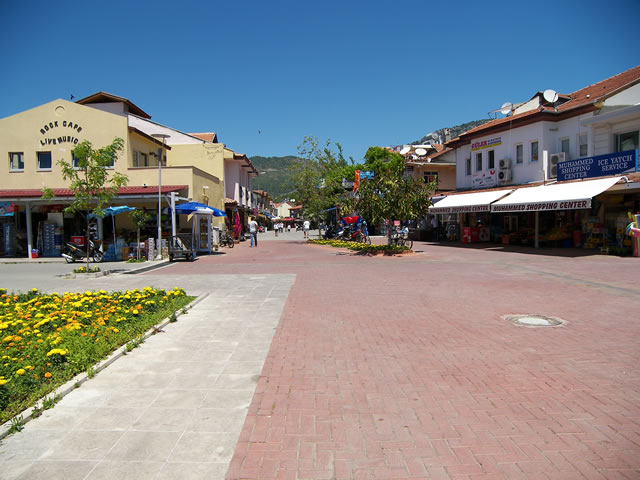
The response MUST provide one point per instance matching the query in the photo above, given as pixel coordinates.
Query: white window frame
(616, 137)
(40, 168)
(568, 151)
(491, 153)
(531, 143)
(20, 160)
(468, 167)
(586, 144)
(478, 156)
(515, 155)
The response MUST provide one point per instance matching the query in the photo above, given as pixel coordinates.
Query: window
(431, 177)
(44, 160)
(16, 161)
(141, 160)
(75, 161)
(492, 159)
(519, 153)
(534, 152)
(583, 146)
(478, 162)
(626, 141)
(468, 166)
(564, 146)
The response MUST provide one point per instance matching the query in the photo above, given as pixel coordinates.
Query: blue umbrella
(201, 208)
(112, 211)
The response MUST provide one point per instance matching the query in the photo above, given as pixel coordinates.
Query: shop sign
(492, 142)
(65, 132)
(7, 209)
(460, 209)
(540, 206)
(598, 166)
(484, 179)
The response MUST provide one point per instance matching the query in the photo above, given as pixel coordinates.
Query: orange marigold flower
(48, 375)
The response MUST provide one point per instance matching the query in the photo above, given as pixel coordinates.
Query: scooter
(73, 252)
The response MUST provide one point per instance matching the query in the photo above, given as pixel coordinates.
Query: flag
(356, 182)
(237, 227)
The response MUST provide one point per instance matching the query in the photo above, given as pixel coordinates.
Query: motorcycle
(73, 252)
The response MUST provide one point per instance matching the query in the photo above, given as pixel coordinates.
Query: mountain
(275, 175)
(432, 137)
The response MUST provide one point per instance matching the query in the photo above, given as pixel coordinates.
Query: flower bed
(45, 340)
(363, 247)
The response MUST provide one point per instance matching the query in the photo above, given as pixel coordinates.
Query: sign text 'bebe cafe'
(60, 131)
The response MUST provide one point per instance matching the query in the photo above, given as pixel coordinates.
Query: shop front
(466, 217)
(564, 215)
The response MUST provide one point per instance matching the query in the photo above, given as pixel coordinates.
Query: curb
(71, 276)
(78, 380)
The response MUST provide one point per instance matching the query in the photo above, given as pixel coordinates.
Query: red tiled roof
(211, 137)
(585, 98)
(65, 192)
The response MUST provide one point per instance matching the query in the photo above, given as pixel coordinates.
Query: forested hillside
(275, 175)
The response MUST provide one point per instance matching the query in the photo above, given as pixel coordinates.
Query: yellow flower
(47, 375)
(20, 371)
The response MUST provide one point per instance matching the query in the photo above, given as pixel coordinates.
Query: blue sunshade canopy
(117, 210)
(198, 208)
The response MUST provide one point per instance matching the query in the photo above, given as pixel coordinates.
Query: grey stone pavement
(172, 408)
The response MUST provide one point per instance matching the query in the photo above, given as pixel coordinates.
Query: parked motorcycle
(73, 252)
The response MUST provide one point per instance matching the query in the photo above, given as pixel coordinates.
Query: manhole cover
(534, 320)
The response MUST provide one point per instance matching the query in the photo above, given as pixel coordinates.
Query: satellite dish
(421, 151)
(405, 150)
(550, 96)
(506, 107)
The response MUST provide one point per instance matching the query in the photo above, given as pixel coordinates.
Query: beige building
(33, 141)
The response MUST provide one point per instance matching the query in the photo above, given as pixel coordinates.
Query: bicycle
(226, 240)
(400, 237)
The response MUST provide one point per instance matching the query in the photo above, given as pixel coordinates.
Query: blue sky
(360, 73)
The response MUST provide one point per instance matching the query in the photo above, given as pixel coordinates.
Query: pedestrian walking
(253, 232)
(305, 228)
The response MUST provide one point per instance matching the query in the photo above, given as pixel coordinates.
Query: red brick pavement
(403, 368)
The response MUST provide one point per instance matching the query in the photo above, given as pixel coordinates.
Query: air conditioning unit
(504, 176)
(504, 163)
(552, 167)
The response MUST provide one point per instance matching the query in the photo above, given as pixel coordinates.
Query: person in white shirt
(305, 228)
(253, 232)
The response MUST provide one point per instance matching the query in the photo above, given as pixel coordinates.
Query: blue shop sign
(598, 166)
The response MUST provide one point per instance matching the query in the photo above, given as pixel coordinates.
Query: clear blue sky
(360, 73)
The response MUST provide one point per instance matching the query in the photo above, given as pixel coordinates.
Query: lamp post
(163, 136)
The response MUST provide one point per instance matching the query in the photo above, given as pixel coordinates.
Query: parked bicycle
(400, 237)
(226, 240)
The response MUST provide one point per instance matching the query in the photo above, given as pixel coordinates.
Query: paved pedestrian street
(309, 362)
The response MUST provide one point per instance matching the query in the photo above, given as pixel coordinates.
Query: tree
(92, 182)
(318, 176)
(390, 194)
(139, 218)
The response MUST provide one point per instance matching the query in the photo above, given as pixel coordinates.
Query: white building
(544, 142)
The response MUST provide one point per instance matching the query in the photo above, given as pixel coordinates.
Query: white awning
(468, 202)
(559, 196)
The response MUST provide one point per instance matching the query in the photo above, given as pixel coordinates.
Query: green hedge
(362, 247)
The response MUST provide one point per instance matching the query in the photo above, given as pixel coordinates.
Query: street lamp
(163, 136)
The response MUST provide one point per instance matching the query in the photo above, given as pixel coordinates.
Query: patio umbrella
(112, 212)
(199, 209)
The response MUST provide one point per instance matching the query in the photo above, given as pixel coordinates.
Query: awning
(558, 196)
(468, 202)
